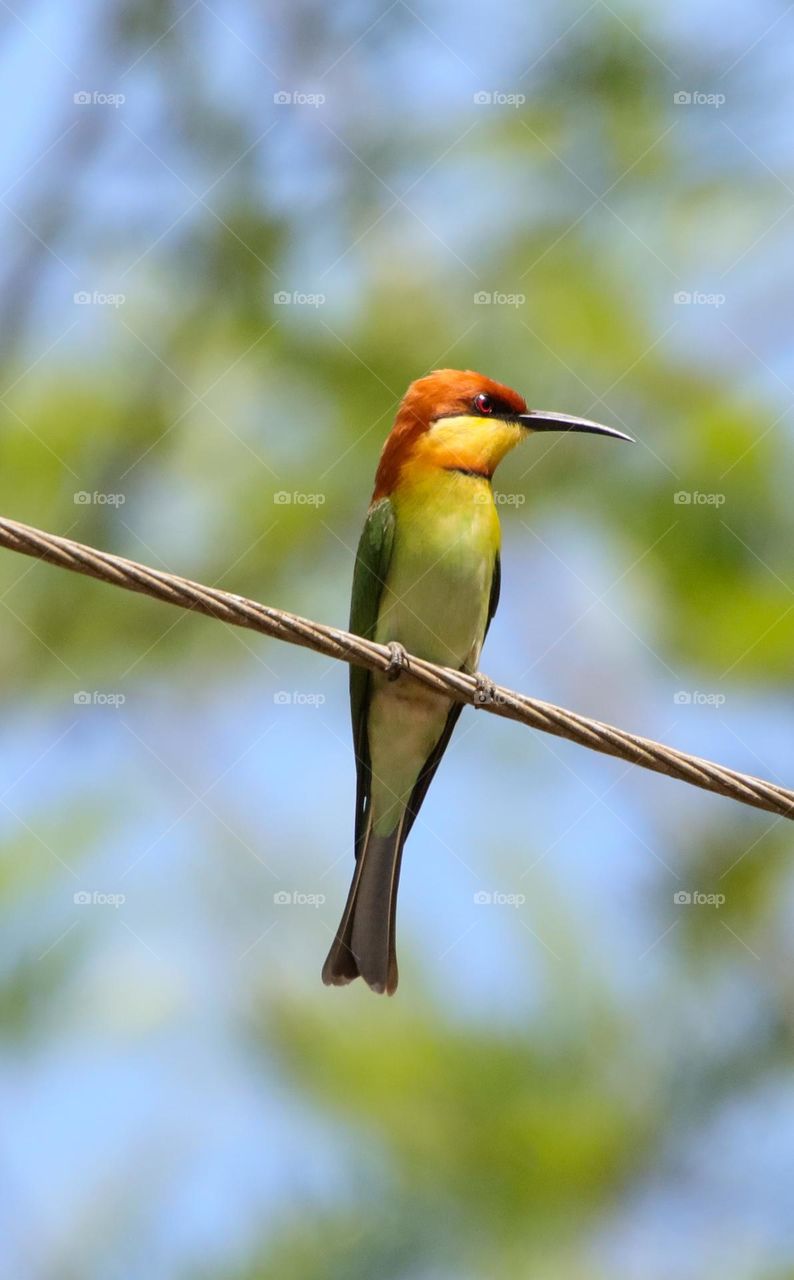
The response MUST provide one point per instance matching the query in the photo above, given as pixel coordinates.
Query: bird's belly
(405, 723)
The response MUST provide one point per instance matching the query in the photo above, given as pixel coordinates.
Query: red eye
(482, 403)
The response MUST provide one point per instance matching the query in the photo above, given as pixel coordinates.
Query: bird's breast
(437, 592)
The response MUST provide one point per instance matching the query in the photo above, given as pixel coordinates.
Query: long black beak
(537, 420)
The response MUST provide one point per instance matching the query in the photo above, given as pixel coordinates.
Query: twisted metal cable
(334, 643)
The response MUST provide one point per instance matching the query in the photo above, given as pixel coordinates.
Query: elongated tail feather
(365, 941)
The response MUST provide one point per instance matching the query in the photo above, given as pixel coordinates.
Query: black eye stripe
(497, 408)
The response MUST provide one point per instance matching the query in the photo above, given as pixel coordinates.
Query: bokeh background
(231, 235)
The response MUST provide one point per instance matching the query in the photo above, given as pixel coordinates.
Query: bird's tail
(365, 940)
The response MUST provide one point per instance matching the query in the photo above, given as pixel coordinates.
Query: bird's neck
(427, 492)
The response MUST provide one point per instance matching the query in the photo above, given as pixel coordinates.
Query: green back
(372, 566)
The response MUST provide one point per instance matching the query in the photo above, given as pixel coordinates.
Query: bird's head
(458, 420)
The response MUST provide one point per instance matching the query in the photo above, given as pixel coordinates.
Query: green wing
(434, 759)
(372, 565)
(496, 587)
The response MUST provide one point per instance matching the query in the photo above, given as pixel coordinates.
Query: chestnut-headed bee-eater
(427, 582)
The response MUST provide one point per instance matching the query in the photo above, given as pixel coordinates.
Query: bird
(426, 582)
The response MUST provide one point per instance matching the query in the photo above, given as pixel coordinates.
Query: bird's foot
(398, 661)
(485, 692)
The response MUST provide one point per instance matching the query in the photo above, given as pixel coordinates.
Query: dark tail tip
(364, 945)
(340, 965)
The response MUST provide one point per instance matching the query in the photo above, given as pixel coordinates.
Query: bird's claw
(485, 691)
(398, 662)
